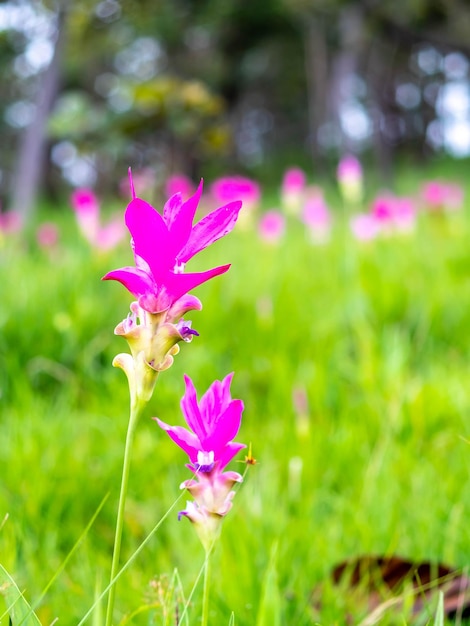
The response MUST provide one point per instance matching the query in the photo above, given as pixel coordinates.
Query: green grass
(378, 336)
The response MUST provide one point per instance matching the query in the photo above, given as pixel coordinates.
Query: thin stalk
(136, 409)
(205, 592)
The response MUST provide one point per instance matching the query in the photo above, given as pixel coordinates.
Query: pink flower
(179, 183)
(214, 422)
(231, 188)
(441, 196)
(394, 213)
(316, 216)
(364, 227)
(349, 174)
(271, 226)
(162, 244)
(87, 212)
(292, 190)
(47, 235)
(10, 222)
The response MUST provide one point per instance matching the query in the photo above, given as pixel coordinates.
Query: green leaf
(17, 608)
(269, 613)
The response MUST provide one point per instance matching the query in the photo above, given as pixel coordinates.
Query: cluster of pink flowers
(388, 214)
(87, 213)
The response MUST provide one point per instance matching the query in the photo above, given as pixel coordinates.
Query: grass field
(375, 335)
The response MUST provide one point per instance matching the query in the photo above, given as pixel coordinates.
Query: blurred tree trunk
(32, 149)
(316, 67)
(344, 71)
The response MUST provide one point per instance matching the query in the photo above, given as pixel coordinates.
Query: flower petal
(230, 450)
(191, 412)
(216, 399)
(226, 428)
(150, 237)
(185, 439)
(177, 285)
(134, 280)
(211, 228)
(181, 223)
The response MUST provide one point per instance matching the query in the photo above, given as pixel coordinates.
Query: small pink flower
(231, 188)
(10, 222)
(162, 244)
(271, 226)
(364, 227)
(292, 190)
(316, 216)
(47, 235)
(87, 212)
(438, 195)
(350, 178)
(179, 183)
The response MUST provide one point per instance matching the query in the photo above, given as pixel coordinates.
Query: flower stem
(136, 409)
(205, 596)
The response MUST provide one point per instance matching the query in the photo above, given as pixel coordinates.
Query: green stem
(205, 597)
(136, 409)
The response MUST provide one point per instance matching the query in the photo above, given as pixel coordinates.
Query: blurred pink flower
(144, 181)
(438, 195)
(350, 178)
(364, 227)
(47, 235)
(10, 222)
(316, 216)
(179, 183)
(394, 213)
(271, 226)
(87, 212)
(231, 188)
(162, 244)
(292, 190)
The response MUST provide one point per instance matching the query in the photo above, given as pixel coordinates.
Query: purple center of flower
(205, 461)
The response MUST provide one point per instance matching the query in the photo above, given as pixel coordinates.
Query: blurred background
(200, 87)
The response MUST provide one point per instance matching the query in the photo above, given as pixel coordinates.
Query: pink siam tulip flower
(87, 211)
(213, 421)
(271, 226)
(292, 190)
(394, 213)
(47, 235)
(10, 222)
(162, 244)
(229, 188)
(350, 177)
(364, 227)
(179, 183)
(316, 216)
(442, 196)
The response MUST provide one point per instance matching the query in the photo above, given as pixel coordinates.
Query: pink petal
(181, 222)
(134, 280)
(150, 236)
(216, 399)
(231, 449)
(210, 229)
(178, 285)
(186, 440)
(227, 427)
(191, 412)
